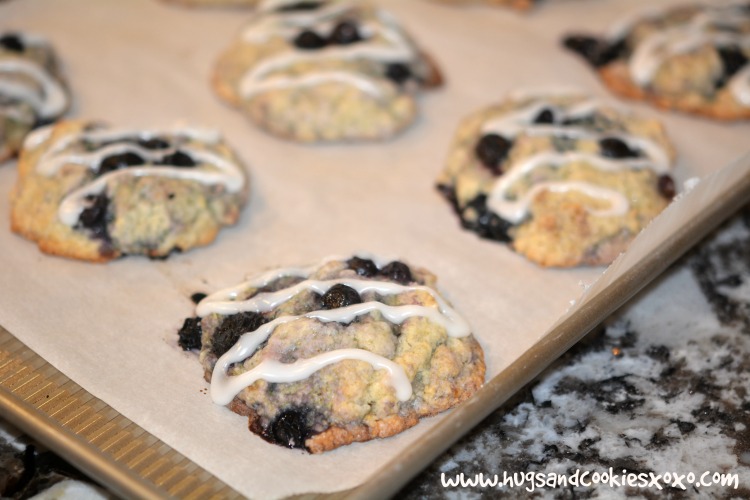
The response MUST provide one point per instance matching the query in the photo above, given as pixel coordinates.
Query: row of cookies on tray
(535, 170)
(356, 347)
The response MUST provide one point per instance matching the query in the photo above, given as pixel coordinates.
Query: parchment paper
(111, 328)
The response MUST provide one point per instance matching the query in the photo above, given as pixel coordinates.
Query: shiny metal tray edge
(40, 400)
(111, 449)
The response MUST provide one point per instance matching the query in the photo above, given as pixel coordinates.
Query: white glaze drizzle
(265, 279)
(224, 387)
(49, 100)
(227, 172)
(652, 51)
(37, 137)
(520, 121)
(264, 302)
(739, 85)
(514, 211)
(54, 158)
(289, 23)
(391, 46)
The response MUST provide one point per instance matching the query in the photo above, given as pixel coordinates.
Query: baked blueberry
(545, 116)
(666, 186)
(596, 51)
(363, 267)
(397, 271)
(12, 42)
(116, 162)
(190, 334)
(732, 60)
(485, 223)
(340, 296)
(94, 217)
(289, 429)
(309, 40)
(299, 6)
(491, 150)
(232, 328)
(398, 72)
(177, 159)
(197, 297)
(613, 147)
(344, 33)
(153, 143)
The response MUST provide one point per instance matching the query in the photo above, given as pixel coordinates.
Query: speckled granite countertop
(662, 387)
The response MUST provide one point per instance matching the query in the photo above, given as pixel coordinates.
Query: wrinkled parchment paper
(111, 328)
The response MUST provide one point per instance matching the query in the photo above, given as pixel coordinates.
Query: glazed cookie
(691, 58)
(565, 179)
(325, 71)
(345, 351)
(31, 89)
(90, 192)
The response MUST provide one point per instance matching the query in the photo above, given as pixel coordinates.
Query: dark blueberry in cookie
(12, 42)
(190, 334)
(94, 217)
(732, 60)
(153, 143)
(484, 222)
(492, 150)
(289, 429)
(116, 162)
(545, 116)
(613, 147)
(340, 296)
(232, 328)
(363, 267)
(585, 46)
(344, 33)
(300, 6)
(197, 297)
(309, 40)
(449, 193)
(595, 51)
(398, 73)
(611, 51)
(666, 186)
(398, 272)
(177, 159)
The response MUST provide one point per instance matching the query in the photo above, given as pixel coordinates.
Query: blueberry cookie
(345, 351)
(691, 58)
(563, 178)
(31, 89)
(325, 71)
(90, 192)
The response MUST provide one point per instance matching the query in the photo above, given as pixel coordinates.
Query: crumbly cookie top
(711, 42)
(337, 290)
(510, 153)
(100, 157)
(27, 77)
(328, 41)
